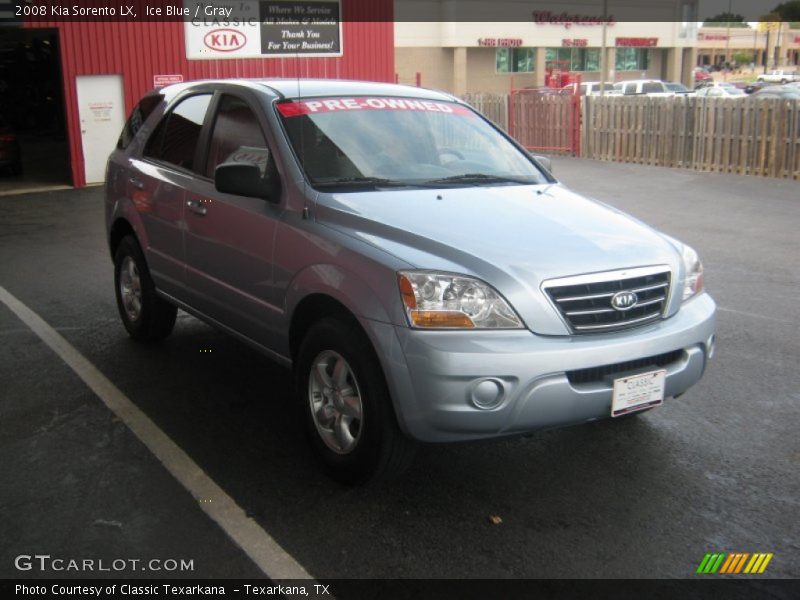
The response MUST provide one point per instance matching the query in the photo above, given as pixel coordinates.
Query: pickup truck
(779, 76)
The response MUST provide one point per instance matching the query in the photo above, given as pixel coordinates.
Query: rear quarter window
(138, 116)
(176, 137)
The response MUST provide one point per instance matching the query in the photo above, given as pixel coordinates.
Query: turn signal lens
(407, 291)
(436, 318)
(693, 283)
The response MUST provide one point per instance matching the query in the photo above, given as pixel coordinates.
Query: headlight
(693, 268)
(447, 301)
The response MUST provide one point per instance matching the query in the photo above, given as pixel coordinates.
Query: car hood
(513, 237)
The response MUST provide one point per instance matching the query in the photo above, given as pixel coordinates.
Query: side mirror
(544, 161)
(244, 179)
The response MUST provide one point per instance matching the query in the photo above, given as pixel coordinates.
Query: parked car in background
(721, 90)
(678, 88)
(779, 76)
(754, 86)
(643, 87)
(782, 92)
(592, 88)
(585, 88)
(10, 153)
(701, 75)
(423, 275)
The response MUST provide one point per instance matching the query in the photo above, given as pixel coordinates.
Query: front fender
(375, 302)
(352, 290)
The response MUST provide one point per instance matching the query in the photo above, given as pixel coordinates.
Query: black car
(752, 88)
(782, 92)
(10, 155)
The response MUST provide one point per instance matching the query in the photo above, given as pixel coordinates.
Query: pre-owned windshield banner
(325, 105)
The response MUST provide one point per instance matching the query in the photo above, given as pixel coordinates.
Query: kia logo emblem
(624, 300)
(225, 40)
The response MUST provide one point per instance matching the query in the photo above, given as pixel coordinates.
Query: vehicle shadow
(231, 410)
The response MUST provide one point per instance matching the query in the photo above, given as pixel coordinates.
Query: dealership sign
(217, 29)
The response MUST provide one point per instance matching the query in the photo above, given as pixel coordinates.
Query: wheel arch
(327, 289)
(120, 228)
(309, 310)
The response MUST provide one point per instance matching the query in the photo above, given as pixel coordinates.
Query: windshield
(379, 141)
(676, 87)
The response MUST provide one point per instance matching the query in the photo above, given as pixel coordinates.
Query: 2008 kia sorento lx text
(424, 276)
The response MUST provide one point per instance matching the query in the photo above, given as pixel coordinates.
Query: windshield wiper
(480, 178)
(358, 181)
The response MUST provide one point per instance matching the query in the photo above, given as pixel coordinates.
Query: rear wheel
(346, 406)
(146, 316)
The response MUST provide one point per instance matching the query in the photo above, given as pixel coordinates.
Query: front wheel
(145, 316)
(346, 406)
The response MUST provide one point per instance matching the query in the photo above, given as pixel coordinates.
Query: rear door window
(652, 87)
(236, 137)
(176, 138)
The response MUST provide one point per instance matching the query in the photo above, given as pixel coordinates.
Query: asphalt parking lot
(717, 470)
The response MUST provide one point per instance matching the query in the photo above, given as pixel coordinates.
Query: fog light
(711, 346)
(487, 393)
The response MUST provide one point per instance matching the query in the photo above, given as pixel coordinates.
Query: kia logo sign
(624, 300)
(225, 40)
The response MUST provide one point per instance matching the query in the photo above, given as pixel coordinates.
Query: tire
(145, 316)
(345, 404)
(16, 168)
(783, 82)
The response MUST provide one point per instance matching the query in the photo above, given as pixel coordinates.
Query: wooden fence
(546, 122)
(493, 106)
(747, 136)
(540, 121)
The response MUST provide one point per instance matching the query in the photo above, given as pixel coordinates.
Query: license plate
(638, 392)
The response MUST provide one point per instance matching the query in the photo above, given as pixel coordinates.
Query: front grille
(598, 373)
(585, 302)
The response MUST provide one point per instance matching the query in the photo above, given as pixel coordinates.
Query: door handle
(197, 208)
(137, 183)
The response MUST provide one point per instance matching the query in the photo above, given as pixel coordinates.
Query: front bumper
(439, 379)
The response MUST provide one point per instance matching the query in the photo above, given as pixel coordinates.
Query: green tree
(726, 20)
(788, 11)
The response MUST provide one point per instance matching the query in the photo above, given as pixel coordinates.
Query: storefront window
(516, 60)
(632, 59)
(573, 59)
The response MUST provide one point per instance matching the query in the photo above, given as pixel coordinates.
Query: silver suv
(423, 275)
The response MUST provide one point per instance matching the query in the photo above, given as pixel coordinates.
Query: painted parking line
(263, 550)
